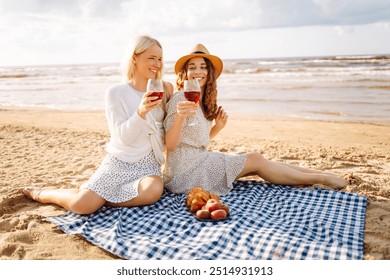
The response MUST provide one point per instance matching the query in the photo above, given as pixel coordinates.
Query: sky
(42, 32)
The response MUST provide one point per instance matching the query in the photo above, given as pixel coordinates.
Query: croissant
(196, 189)
(197, 198)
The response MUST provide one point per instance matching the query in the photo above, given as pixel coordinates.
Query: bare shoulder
(168, 88)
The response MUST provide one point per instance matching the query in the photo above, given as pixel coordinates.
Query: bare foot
(335, 182)
(32, 193)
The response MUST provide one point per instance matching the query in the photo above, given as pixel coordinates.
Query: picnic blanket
(266, 222)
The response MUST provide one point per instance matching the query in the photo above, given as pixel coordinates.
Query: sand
(48, 148)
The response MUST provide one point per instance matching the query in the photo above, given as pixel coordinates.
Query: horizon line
(226, 59)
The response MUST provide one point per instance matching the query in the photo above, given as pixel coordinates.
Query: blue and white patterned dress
(190, 164)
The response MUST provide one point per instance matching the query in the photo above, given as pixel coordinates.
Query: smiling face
(148, 63)
(197, 69)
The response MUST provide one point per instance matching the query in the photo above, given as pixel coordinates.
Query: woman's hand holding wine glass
(155, 88)
(152, 98)
(192, 90)
(192, 93)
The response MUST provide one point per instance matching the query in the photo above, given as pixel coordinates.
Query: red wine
(192, 96)
(159, 94)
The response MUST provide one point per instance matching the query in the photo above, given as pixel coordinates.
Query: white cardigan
(132, 137)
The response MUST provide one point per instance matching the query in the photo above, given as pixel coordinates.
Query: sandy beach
(49, 148)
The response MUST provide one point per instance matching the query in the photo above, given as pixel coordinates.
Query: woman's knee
(151, 188)
(254, 163)
(86, 203)
(81, 208)
(256, 159)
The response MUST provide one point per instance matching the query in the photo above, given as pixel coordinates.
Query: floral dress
(190, 164)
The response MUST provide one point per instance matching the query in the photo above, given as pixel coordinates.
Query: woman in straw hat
(130, 174)
(189, 163)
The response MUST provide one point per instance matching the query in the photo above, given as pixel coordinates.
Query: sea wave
(345, 85)
(15, 76)
(361, 57)
(341, 115)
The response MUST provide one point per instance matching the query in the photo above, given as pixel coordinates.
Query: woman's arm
(168, 90)
(174, 132)
(220, 122)
(173, 135)
(124, 127)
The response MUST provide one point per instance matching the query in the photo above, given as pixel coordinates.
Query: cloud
(348, 12)
(331, 8)
(384, 25)
(72, 8)
(179, 16)
(99, 29)
(344, 30)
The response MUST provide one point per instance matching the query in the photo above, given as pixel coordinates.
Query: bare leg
(284, 174)
(85, 201)
(302, 169)
(78, 201)
(150, 190)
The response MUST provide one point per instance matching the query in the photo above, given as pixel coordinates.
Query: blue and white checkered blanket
(266, 222)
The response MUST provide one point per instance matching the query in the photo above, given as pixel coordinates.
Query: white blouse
(132, 137)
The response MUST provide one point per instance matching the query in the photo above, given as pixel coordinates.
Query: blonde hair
(138, 46)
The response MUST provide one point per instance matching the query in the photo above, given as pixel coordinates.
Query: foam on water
(338, 87)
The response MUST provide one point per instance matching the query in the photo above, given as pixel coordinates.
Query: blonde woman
(130, 174)
(189, 163)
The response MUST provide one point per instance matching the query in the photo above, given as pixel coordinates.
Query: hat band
(199, 52)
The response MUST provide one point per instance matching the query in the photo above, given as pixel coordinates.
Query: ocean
(352, 88)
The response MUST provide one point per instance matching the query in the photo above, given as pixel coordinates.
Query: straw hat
(200, 51)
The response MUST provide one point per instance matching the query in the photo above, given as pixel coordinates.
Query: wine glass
(156, 87)
(192, 92)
